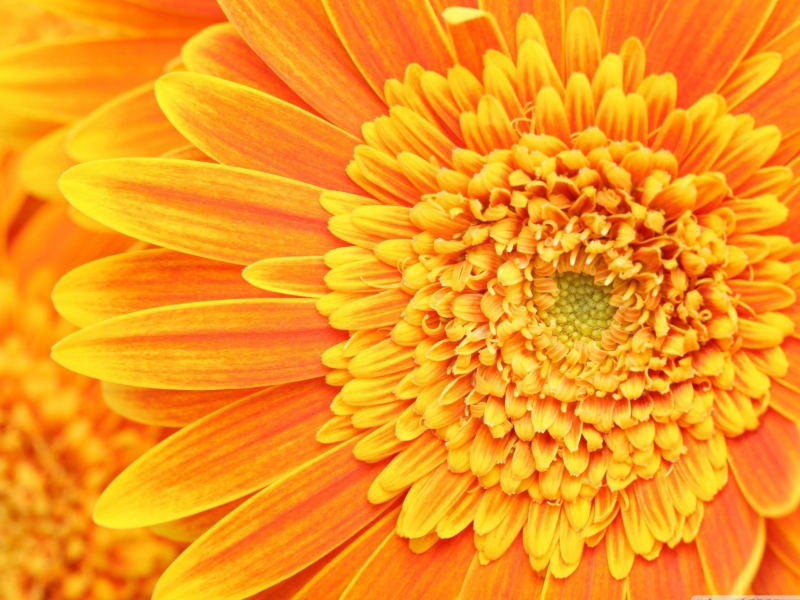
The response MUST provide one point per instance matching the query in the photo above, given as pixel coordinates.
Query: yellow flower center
(563, 322)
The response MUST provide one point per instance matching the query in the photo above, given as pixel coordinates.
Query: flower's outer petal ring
(168, 408)
(766, 468)
(64, 79)
(772, 103)
(296, 276)
(188, 529)
(204, 346)
(134, 281)
(277, 137)
(702, 57)
(623, 19)
(510, 577)
(298, 42)
(675, 573)
(410, 28)
(43, 163)
(591, 579)
(136, 15)
(201, 466)
(774, 577)
(220, 51)
(393, 572)
(266, 540)
(200, 8)
(131, 124)
(218, 212)
(730, 567)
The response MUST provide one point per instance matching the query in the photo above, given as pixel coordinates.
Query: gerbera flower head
(551, 288)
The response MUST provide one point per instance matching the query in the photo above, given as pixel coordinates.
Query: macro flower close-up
(446, 299)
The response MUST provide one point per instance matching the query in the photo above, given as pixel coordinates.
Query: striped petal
(43, 163)
(783, 537)
(769, 105)
(64, 79)
(473, 32)
(135, 281)
(768, 475)
(730, 567)
(201, 466)
(220, 51)
(131, 124)
(209, 210)
(701, 58)
(277, 138)
(131, 15)
(168, 408)
(675, 573)
(204, 346)
(628, 18)
(508, 578)
(298, 276)
(410, 28)
(394, 572)
(774, 577)
(784, 397)
(298, 42)
(592, 579)
(200, 8)
(267, 540)
(188, 529)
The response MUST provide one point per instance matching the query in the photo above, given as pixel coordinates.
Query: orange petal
(769, 105)
(785, 399)
(133, 15)
(783, 538)
(675, 573)
(394, 572)
(783, 17)
(331, 580)
(730, 567)
(592, 579)
(702, 57)
(192, 527)
(200, 8)
(202, 466)
(68, 244)
(774, 577)
(168, 408)
(410, 28)
(222, 213)
(267, 540)
(131, 124)
(628, 18)
(508, 578)
(298, 276)
(766, 468)
(473, 32)
(278, 138)
(507, 13)
(298, 42)
(43, 163)
(64, 79)
(220, 51)
(134, 281)
(204, 346)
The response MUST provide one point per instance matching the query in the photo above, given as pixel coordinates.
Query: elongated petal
(410, 28)
(278, 137)
(169, 408)
(774, 577)
(192, 527)
(136, 15)
(298, 42)
(43, 163)
(204, 8)
(394, 572)
(769, 104)
(131, 124)
(204, 346)
(767, 473)
(592, 579)
(267, 540)
(220, 51)
(674, 573)
(700, 57)
(209, 210)
(628, 18)
(472, 33)
(298, 276)
(730, 567)
(62, 80)
(136, 281)
(508, 578)
(201, 466)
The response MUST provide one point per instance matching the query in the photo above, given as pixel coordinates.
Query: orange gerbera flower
(549, 279)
